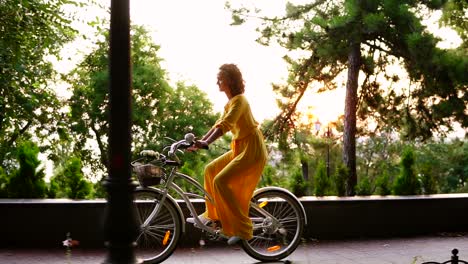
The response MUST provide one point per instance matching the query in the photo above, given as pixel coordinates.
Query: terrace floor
(408, 250)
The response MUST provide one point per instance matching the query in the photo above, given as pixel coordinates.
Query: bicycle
(277, 216)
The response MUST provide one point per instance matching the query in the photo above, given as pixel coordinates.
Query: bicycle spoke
(158, 238)
(162, 227)
(288, 220)
(277, 226)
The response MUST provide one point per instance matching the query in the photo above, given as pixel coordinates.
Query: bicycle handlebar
(188, 141)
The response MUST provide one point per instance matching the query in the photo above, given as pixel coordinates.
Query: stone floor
(363, 251)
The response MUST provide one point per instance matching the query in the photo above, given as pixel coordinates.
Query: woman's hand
(198, 144)
(201, 144)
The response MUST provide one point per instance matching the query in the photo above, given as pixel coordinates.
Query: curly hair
(233, 77)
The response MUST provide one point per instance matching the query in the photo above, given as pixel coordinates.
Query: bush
(363, 187)
(321, 181)
(383, 184)
(70, 182)
(267, 176)
(3, 184)
(297, 184)
(428, 181)
(340, 179)
(28, 180)
(407, 182)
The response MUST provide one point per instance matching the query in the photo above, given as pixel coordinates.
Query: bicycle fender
(171, 199)
(274, 188)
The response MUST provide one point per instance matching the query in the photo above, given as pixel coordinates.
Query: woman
(231, 178)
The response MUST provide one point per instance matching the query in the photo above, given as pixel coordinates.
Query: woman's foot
(204, 220)
(233, 240)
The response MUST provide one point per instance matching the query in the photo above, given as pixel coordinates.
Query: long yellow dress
(232, 178)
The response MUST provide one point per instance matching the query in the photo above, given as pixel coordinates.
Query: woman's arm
(208, 134)
(215, 134)
(208, 138)
(211, 136)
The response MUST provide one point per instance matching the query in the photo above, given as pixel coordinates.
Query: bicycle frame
(277, 216)
(169, 184)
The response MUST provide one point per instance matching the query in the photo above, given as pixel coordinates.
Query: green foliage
(158, 109)
(70, 182)
(297, 184)
(454, 16)
(267, 179)
(277, 173)
(3, 184)
(340, 179)
(383, 184)
(189, 110)
(407, 182)
(30, 31)
(367, 38)
(379, 157)
(194, 166)
(28, 180)
(321, 181)
(459, 161)
(428, 180)
(99, 190)
(364, 186)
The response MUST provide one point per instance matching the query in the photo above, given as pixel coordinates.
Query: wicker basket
(148, 174)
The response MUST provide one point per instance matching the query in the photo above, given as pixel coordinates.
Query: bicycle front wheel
(157, 239)
(278, 223)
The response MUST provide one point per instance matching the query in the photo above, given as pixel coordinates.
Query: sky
(196, 38)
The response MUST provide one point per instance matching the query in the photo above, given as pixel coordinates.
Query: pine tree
(407, 182)
(28, 180)
(361, 39)
(321, 181)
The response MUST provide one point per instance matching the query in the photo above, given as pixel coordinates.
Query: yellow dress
(232, 178)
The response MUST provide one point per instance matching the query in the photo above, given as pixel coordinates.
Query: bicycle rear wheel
(158, 240)
(276, 232)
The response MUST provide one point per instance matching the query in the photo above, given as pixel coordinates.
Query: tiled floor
(366, 251)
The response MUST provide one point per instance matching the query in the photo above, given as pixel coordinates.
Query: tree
(28, 180)
(443, 165)
(70, 182)
(363, 38)
(459, 161)
(189, 110)
(377, 158)
(321, 181)
(30, 31)
(302, 143)
(407, 182)
(158, 109)
(364, 186)
(454, 15)
(4, 180)
(297, 184)
(383, 185)
(340, 179)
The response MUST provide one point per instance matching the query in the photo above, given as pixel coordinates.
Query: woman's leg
(233, 188)
(235, 184)
(211, 170)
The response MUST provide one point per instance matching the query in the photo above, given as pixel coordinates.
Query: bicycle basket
(148, 174)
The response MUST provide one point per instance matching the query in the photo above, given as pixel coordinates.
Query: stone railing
(45, 222)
